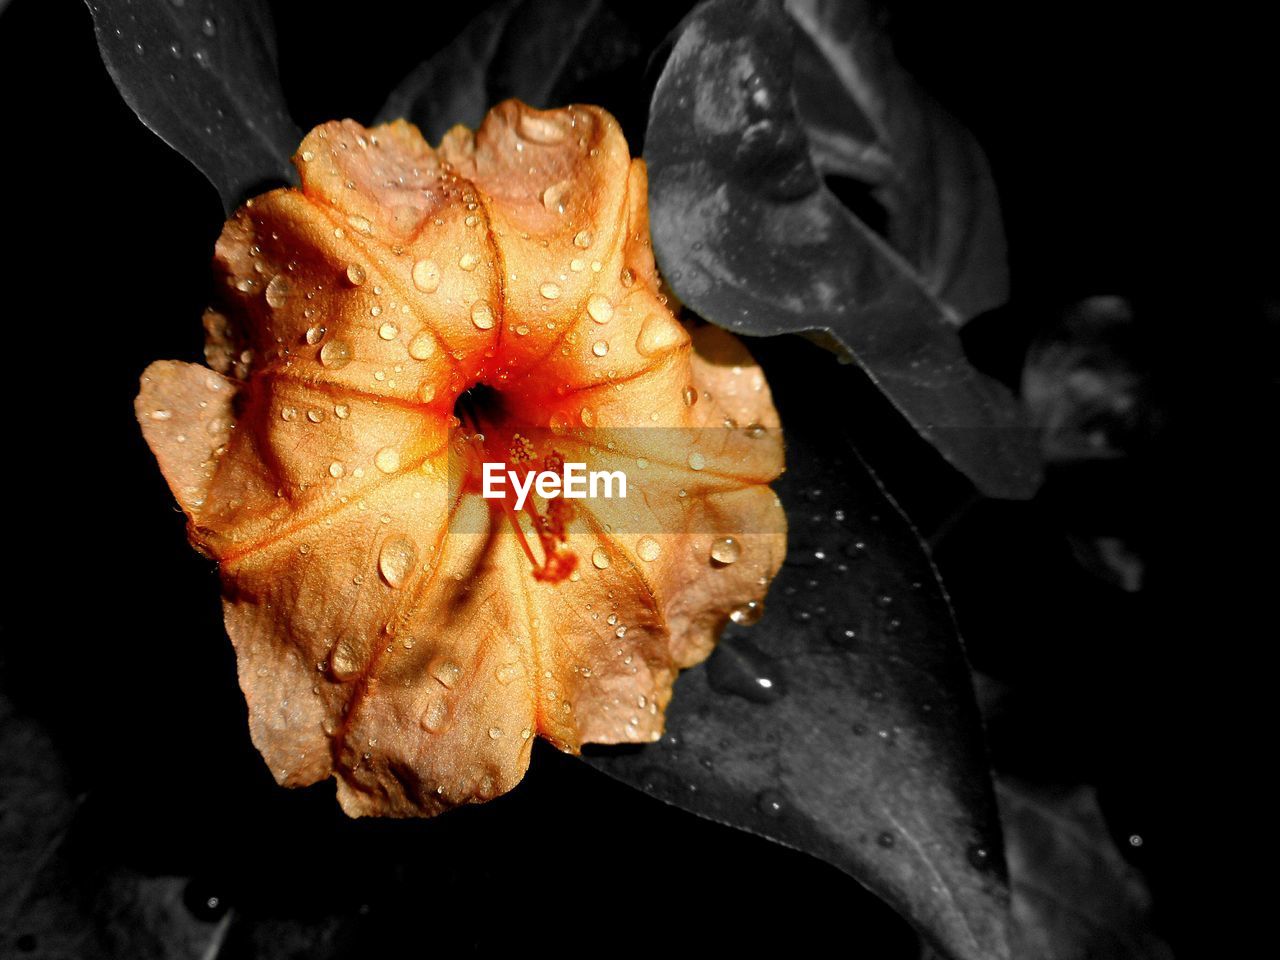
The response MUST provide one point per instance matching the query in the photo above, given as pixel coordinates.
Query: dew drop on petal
(600, 348)
(341, 411)
(336, 470)
(335, 354)
(445, 670)
(388, 331)
(649, 549)
(288, 414)
(482, 315)
(538, 129)
(343, 662)
(746, 614)
(387, 460)
(436, 717)
(277, 292)
(599, 308)
(657, 335)
(426, 276)
(395, 559)
(726, 550)
(690, 396)
(426, 392)
(599, 558)
(422, 346)
(582, 239)
(468, 261)
(551, 291)
(697, 461)
(356, 275)
(315, 334)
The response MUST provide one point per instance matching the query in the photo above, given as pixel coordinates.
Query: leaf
(512, 49)
(1091, 395)
(843, 724)
(1074, 896)
(203, 77)
(49, 901)
(405, 319)
(747, 115)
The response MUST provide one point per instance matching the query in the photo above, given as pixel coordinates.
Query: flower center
(486, 426)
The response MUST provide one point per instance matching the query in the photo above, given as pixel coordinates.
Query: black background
(1121, 142)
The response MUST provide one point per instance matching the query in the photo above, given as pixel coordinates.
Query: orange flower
(377, 335)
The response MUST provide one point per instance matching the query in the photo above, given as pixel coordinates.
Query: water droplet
(657, 335)
(341, 411)
(336, 470)
(482, 315)
(426, 393)
(422, 346)
(277, 292)
(743, 671)
(648, 549)
(495, 733)
(885, 840)
(980, 856)
(509, 672)
(697, 461)
(344, 663)
(540, 129)
(161, 414)
(690, 396)
(582, 239)
(426, 276)
(445, 670)
(388, 331)
(599, 308)
(559, 423)
(754, 431)
(746, 614)
(315, 334)
(288, 414)
(387, 460)
(522, 330)
(468, 261)
(395, 559)
(550, 291)
(335, 354)
(599, 558)
(600, 348)
(355, 274)
(556, 196)
(435, 719)
(771, 802)
(726, 550)
(208, 27)
(315, 416)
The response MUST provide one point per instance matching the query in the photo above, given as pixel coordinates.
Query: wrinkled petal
(393, 628)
